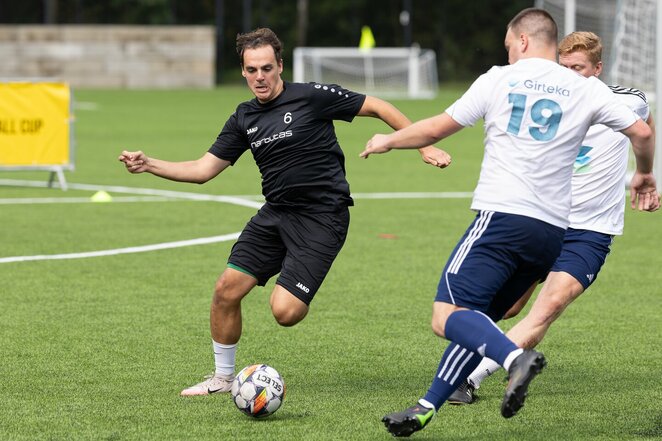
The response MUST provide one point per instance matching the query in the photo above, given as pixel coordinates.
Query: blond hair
(586, 42)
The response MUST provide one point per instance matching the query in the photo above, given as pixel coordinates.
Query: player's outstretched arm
(420, 134)
(198, 171)
(643, 187)
(388, 113)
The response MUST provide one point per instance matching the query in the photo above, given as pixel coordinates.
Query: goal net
(384, 72)
(597, 16)
(629, 32)
(633, 57)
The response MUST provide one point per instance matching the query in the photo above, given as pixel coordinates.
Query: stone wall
(105, 56)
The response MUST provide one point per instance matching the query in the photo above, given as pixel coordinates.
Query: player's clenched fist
(376, 144)
(435, 157)
(135, 162)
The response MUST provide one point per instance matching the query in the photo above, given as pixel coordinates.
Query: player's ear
(523, 42)
(280, 66)
(598, 68)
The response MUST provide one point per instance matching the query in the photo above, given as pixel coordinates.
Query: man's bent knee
(440, 313)
(287, 309)
(288, 317)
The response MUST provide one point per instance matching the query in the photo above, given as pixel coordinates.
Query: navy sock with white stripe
(456, 365)
(477, 332)
(473, 335)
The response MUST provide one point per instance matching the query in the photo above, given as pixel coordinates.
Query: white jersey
(598, 182)
(536, 115)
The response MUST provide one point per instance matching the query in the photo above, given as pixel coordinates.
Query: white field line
(129, 250)
(236, 200)
(84, 200)
(253, 201)
(165, 195)
(30, 201)
(85, 105)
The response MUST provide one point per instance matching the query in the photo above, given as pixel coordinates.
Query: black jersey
(294, 144)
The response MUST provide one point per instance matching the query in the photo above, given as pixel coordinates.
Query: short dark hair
(258, 38)
(537, 23)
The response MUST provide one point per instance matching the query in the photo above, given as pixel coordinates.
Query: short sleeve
(231, 143)
(641, 107)
(333, 102)
(609, 110)
(473, 105)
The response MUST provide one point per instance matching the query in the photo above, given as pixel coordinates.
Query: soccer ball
(258, 390)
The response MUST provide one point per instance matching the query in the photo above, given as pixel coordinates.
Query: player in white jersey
(536, 114)
(598, 181)
(598, 193)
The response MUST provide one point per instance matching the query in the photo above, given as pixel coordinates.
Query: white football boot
(215, 383)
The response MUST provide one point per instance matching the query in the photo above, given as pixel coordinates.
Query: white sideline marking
(85, 105)
(139, 249)
(30, 201)
(253, 201)
(129, 250)
(83, 200)
(167, 195)
(236, 200)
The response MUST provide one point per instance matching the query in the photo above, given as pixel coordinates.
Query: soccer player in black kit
(301, 228)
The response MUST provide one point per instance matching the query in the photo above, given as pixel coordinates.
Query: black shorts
(299, 245)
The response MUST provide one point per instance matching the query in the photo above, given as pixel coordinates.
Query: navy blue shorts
(499, 257)
(299, 245)
(583, 254)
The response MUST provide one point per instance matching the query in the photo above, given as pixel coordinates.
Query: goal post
(658, 92)
(636, 58)
(385, 72)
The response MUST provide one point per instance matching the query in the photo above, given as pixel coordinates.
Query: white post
(57, 171)
(317, 67)
(570, 14)
(658, 95)
(413, 81)
(298, 65)
(369, 69)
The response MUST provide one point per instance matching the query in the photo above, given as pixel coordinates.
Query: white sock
(427, 404)
(512, 356)
(486, 368)
(224, 356)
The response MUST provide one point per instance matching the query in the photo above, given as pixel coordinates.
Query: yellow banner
(34, 124)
